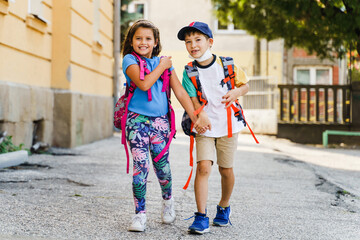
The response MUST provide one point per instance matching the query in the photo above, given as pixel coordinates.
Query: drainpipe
(117, 4)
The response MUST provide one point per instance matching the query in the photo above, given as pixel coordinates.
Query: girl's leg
(138, 140)
(159, 137)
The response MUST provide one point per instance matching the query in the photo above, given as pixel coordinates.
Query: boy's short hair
(201, 27)
(190, 32)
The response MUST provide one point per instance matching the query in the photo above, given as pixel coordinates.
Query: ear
(211, 41)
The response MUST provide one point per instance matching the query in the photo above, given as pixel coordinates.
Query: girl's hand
(166, 62)
(203, 123)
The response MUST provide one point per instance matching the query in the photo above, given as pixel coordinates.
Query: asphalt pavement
(283, 190)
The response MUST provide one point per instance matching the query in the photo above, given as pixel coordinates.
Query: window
(230, 28)
(36, 9)
(313, 75)
(139, 8)
(35, 19)
(96, 23)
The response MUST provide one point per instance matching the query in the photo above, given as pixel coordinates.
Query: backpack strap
(143, 69)
(229, 67)
(229, 80)
(166, 82)
(130, 92)
(193, 74)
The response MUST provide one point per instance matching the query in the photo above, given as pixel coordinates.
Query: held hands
(203, 123)
(166, 62)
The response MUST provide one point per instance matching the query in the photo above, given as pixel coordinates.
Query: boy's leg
(227, 185)
(205, 153)
(225, 149)
(203, 170)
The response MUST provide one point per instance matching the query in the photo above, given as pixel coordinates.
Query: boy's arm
(242, 87)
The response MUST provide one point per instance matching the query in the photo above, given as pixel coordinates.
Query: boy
(198, 41)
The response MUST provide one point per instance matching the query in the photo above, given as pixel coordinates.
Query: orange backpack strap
(193, 74)
(229, 80)
(229, 72)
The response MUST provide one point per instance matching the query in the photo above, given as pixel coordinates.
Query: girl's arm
(234, 94)
(133, 71)
(182, 96)
(203, 123)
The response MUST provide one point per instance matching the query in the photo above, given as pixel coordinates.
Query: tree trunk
(257, 59)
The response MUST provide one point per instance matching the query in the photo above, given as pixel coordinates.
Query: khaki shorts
(225, 149)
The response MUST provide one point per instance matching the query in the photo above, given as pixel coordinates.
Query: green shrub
(7, 145)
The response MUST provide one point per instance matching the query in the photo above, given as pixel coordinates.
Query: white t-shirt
(210, 78)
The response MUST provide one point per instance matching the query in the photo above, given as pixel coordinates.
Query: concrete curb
(13, 158)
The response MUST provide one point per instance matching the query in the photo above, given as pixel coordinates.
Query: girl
(147, 126)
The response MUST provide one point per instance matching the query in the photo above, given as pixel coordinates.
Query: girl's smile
(143, 42)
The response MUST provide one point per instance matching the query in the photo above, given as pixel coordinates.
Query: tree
(126, 17)
(327, 27)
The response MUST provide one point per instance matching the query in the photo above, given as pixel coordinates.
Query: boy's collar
(208, 65)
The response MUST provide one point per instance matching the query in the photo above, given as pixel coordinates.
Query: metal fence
(315, 103)
(263, 93)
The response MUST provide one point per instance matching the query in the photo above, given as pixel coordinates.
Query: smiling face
(197, 44)
(143, 42)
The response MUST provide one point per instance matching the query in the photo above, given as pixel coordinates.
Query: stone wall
(59, 118)
(26, 113)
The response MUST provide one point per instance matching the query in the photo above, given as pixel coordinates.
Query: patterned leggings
(148, 135)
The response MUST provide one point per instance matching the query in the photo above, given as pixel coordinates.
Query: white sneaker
(168, 212)
(138, 223)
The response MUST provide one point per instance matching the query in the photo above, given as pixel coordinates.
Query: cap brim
(181, 33)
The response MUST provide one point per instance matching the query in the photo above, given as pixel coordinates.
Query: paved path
(283, 191)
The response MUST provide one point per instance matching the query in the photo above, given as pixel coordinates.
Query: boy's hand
(166, 62)
(230, 97)
(203, 123)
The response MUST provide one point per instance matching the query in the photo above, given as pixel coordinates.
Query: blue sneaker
(200, 224)
(222, 218)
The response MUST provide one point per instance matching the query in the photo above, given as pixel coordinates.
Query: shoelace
(138, 218)
(190, 217)
(167, 210)
(222, 210)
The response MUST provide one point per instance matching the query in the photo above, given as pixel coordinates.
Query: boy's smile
(143, 42)
(197, 44)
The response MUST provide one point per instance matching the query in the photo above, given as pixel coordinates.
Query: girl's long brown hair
(127, 47)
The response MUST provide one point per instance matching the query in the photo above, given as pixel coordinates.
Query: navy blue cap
(202, 27)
